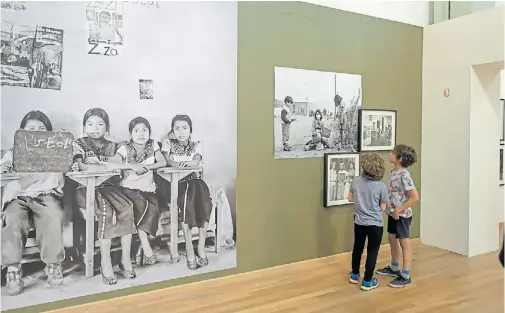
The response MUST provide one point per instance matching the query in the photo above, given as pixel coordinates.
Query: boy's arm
(408, 185)
(350, 196)
(384, 199)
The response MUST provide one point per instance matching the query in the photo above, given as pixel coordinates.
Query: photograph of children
(31, 56)
(378, 130)
(340, 170)
(315, 113)
(105, 27)
(146, 194)
(14, 5)
(146, 88)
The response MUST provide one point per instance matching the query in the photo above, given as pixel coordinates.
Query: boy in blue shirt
(402, 196)
(370, 197)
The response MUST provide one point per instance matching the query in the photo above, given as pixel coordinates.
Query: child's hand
(396, 214)
(75, 167)
(93, 160)
(6, 167)
(141, 170)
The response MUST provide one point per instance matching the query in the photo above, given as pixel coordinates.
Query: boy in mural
(339, 114)
(286, 122)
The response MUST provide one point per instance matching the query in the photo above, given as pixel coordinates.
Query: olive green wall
(280, 215)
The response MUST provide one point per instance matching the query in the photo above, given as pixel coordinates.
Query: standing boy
(286, 122)
(402, 196)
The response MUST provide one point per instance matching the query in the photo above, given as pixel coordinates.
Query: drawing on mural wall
(14, 5)
(31, 56)
(315, 113)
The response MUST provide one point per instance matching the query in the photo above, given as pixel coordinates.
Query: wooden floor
(442, 282)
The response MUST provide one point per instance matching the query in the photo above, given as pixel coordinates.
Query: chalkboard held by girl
(370, 197)
(113, 209)
(194, 200)
(140, 156)
(35, 200)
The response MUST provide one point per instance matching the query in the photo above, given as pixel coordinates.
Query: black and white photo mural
(100, 189)
(377, 130)
(315, 113)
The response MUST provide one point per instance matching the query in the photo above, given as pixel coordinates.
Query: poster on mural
(105, 27)
(146, 88)
(31, 56)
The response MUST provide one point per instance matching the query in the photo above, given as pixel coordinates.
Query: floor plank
(442, 282)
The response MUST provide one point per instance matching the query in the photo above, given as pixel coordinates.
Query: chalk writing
(36, 151)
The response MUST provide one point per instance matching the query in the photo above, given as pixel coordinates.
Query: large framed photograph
(315, 113)
(377, 130)
(339, 171)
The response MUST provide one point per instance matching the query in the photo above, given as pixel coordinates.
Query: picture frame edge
(326, 158)
(360, 117)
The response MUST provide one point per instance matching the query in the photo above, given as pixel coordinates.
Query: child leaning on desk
(33, 200)
(194, 200)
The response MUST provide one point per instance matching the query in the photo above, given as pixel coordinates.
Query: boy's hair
(372, 166)
(288, 99)
(406, 154)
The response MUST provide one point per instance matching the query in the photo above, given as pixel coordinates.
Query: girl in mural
(35, 200)
(317, 128)
(194, 201)
(138, 183)
(113, 209)
(350, 175)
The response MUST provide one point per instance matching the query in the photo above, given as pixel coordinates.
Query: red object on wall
(447, 92)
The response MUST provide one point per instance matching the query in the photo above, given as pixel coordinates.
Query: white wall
(448, 200)
(486, 196)
(409, 12)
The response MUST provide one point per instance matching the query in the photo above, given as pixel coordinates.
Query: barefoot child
(370, 200)
(402, 196)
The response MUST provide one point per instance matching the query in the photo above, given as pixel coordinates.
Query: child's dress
(194, 201)
(140, 189)
(113, 209)
(35, 200)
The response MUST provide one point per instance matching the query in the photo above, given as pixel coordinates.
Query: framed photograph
(502, 183)
(339, 171)
(377, 130)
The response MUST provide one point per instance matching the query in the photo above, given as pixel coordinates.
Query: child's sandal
(192, 265)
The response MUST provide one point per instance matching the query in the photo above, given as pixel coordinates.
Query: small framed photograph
(377, 130)
(339, 171)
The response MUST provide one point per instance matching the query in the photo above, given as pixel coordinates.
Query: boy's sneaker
(15, 283)
(400, 282)
(369, 285)
(54, 274)
(387, 271)
(353, 278)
